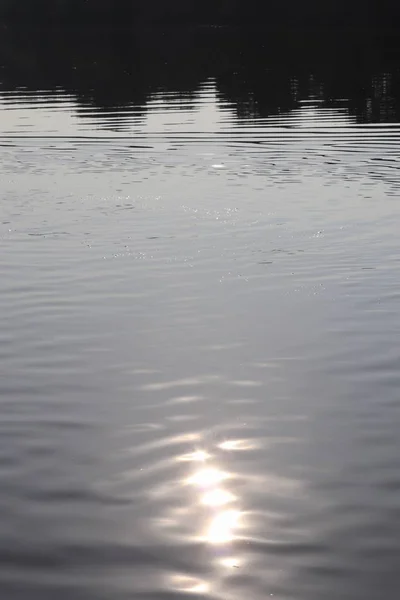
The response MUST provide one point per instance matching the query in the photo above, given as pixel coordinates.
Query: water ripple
(199, 344)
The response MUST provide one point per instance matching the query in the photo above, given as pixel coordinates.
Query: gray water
(199, 331)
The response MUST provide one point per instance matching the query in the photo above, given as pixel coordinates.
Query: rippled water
(199, 331)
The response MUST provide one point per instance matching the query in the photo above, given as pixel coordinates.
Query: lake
(199, 339)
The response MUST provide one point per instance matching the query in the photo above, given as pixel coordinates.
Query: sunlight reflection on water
(215, 514)
(220, 527)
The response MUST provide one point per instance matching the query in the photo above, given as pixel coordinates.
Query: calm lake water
(199, 316)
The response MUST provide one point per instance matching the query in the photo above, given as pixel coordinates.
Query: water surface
(199, 331)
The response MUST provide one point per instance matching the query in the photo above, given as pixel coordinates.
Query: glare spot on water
(221, 529)
(189, 585)
(230, 562)
(185, 399)
(217, 497)
(237, 445)
(247, 383)
(196, 456)
(207, 477)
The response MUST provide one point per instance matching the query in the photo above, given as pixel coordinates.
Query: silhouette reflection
(113, 76)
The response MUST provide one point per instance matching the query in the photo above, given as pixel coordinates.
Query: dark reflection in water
(260, 73)
(199, 330)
